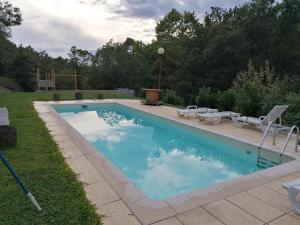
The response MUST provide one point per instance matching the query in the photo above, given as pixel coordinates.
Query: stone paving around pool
(257, 198)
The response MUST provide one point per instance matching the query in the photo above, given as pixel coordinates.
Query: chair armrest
(212, 110)
(191, 107)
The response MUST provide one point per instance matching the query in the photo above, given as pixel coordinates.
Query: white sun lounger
(262, 121)
(188, 111)
(4, 121)
(191, 110)
(215, 117)
(293, 188)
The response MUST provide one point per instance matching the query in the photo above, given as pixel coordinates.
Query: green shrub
(249, 99)
(170, 97)
(257, 91)
(225, 100)
(275, 94)
(206, 98)
(292, 115)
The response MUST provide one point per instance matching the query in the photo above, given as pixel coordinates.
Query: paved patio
(257, 198)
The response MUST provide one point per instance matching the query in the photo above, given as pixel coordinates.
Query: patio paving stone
(87, 173)
(198, 217)
(100, 193)
(272, 198)
(285, 220)
(256, 207)
(150, 211)
(231, 214)
(170, 221)
(117, 213)
(181, 203)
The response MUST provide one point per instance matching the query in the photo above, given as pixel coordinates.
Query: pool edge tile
(181, 203)
(205, 196)
(150, 211)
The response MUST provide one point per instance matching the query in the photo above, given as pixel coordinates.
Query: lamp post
(160, 52)
(130, 50)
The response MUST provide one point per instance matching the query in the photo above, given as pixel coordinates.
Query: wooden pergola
(50, 80)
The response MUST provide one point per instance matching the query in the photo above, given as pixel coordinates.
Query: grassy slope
(3, 89)
(39, 163)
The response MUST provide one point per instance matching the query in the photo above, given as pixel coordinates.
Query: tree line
(198, 54)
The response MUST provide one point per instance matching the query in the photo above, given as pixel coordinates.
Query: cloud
(55, 25)
(156, 9)
(173, 172)
(54, 36)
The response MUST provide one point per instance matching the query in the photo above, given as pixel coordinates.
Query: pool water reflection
(161, 157)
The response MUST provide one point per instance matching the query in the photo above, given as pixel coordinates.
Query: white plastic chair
(293, 188)
(190, 110)
(215, 117)
(262, 121)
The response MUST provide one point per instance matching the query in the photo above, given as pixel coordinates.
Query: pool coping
(149, 211)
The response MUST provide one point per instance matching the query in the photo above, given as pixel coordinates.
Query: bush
(249, 99)
(274, 95)
(257, 91)
(292, 115)
(206, 98)
(78, 95)
(225, 100)
(170, 97)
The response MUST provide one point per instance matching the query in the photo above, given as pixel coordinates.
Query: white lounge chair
(293, 188)
(262, 121)
(4, 121)
(215, 117)
(191, 110)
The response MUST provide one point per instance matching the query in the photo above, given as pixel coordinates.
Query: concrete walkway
(257, 198)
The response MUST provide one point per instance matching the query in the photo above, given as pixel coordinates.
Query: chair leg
(216, 121)
(238, 124)
(293, 199)
(262, 128)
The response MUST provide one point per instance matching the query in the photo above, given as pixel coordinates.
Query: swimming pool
(161, 157)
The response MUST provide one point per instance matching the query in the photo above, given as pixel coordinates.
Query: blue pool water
(161, 157)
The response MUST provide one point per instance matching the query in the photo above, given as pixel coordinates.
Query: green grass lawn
(38, 161)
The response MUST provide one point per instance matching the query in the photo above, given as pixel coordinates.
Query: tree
(79, 58)
(177, 33)
(81, 61)
(23, 68)
(177, 25)
(114, 66)
(7, 55)
(9, 16)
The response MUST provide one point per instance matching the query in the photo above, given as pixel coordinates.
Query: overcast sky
(56, 25)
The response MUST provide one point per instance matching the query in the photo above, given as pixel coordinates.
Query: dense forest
(245, 58)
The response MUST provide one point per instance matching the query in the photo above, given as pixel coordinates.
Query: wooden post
(160, 69)
(38, 79)
(75, 80)
(47, 81)
(54, 82)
